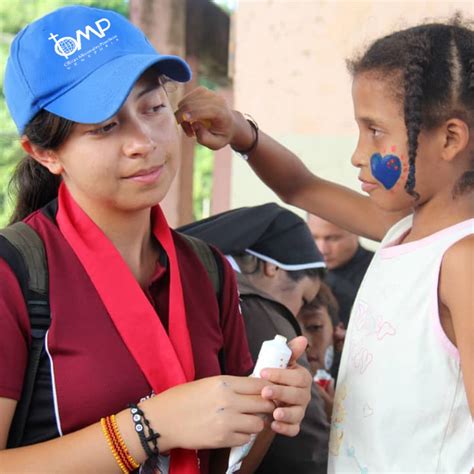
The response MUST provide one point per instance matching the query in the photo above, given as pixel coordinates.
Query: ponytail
(32, 184)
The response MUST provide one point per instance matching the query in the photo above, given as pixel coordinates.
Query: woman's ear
(269, 269)
(47, 158)
(456, 133)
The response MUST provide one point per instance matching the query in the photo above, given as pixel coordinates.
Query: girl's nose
(359, 157)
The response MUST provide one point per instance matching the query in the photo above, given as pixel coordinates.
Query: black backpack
(23, 250)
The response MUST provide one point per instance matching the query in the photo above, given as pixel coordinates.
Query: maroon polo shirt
(87, 372)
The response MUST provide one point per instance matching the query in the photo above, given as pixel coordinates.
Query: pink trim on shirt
(394, 249)
(443, 339)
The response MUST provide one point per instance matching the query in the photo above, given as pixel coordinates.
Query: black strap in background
(22, 249)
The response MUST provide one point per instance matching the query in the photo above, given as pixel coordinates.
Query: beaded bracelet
(141, 422)
(254, 126)
(116, 444)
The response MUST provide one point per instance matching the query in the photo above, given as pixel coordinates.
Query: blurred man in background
(346, 261)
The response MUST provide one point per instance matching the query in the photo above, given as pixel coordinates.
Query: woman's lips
(147, 176)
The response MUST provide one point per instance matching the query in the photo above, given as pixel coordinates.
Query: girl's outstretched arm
(456, 291)
(207, 116)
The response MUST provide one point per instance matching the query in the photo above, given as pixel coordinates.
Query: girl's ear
(47, 158)
(456, 133)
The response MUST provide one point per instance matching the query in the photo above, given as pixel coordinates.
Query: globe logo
(65, 46)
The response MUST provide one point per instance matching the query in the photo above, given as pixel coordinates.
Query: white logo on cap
(67, 45)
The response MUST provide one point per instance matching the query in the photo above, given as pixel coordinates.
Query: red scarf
(165, 360)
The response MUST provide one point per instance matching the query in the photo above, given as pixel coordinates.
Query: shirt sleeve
(15, 334)
(238, 360)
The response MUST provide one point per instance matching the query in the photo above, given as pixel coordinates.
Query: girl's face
(382, 152)
(128, 162)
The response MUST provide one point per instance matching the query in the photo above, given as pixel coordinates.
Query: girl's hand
(210, 413)
(207, 116)
(291, 391)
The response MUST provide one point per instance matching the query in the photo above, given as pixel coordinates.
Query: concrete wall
(290, 75)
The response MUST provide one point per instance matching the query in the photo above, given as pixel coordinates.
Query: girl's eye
(375, 132)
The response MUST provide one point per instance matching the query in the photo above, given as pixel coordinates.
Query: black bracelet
(254, 127)
(141, 421)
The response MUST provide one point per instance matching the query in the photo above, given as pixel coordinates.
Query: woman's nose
(139, 141)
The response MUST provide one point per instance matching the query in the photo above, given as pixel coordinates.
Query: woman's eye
(104, 129)
(157, 108)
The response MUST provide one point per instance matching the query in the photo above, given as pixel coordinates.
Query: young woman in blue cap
(130, 367)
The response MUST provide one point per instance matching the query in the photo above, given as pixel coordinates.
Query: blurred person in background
(346, 261)
(279, 270)
(320, 324)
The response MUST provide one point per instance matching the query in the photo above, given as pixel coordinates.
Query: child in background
(405, 394)
(319, 321)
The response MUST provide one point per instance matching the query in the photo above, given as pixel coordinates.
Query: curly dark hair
(434, 70)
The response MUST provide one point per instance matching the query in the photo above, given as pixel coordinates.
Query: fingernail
(268, 392)
(186, 116)
(278, 414)
(264, 374)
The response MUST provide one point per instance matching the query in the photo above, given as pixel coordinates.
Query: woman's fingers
(297, 376)
(298, 347)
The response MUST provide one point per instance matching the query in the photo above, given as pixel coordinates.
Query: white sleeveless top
(400, 402)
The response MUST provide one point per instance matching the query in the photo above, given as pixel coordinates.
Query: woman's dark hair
(251, 265)
(32, 184)
(432, 70)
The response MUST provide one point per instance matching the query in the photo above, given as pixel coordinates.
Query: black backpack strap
(23, 250)
(213, 265)
(205, 254)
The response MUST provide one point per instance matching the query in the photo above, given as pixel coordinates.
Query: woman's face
(128, 162)
(317, 327)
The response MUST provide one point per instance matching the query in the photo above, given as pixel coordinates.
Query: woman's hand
(290, 390)
(207, 116)
(215, 412)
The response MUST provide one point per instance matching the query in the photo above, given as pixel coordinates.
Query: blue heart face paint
(386, 169)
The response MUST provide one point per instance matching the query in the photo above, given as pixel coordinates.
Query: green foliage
(202, 181)
(14, 15)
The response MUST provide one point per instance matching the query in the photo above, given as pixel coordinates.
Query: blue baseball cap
(80, 63)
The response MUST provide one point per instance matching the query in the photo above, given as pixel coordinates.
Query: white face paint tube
(274, 354)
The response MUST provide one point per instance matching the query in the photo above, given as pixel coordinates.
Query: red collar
(165, 360)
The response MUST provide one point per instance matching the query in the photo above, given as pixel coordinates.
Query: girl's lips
(368, 187)
(148, 176)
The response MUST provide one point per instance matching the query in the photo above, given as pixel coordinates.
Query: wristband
(254, 126)
(142, 424)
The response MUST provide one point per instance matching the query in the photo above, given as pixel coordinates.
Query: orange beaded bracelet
(116, 444)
